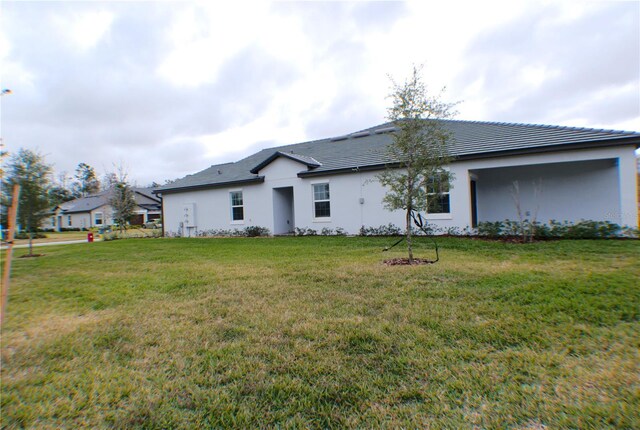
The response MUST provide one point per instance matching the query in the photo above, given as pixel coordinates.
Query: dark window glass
(321, 204)
(237, 213)
(323, 209)
(321, 192)
(237, 208)
(438, 196)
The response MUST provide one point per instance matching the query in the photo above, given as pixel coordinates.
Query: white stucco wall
(568, 191)
(78, 220)
(595, 193)
(107, 216)
(599, 190)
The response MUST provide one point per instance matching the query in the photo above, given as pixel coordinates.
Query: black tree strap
(389, 247)
(418, 220)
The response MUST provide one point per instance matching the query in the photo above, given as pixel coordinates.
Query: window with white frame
(69, 220)
(98, 218)
(321, 202)
(237, 206)
(438, 195)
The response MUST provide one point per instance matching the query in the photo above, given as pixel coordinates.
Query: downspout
(162, 212)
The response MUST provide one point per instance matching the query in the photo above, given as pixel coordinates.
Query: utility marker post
(6, 275)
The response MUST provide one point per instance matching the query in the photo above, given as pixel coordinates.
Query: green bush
(25, 235)
(305, 232)
(584, 229)
(383, 230)
(256, 231)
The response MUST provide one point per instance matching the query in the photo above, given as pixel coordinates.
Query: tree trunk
(30, 244)
(408, 227)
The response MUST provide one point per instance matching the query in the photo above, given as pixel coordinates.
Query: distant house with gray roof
(563, 173)
(95, 211)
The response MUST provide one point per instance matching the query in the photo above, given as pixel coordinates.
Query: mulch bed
(30, 256)
(405, 262)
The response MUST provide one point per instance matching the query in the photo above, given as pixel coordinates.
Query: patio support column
(628, 192)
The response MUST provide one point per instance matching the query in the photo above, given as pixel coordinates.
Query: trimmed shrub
(383, 230)
(301, 231)
(584, 229)
(25, 235)
(256, 231)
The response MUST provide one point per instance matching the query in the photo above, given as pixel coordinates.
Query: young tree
(122, 200)
(29, 169)
(419, 151)
(88, 182)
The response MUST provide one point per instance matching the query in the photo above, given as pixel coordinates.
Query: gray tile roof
(142, 196)
(85, 204)
(366, 149)
(310, 162)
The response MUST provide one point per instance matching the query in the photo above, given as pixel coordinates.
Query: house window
(321, 204)
(438, 196)
(69, 220)
(237, 206)
(97, 218)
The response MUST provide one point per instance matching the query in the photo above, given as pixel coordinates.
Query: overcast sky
(168, 88)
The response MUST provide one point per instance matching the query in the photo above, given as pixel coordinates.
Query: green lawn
(316, 332)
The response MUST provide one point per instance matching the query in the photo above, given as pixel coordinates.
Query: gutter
(257, 179)
(550, 148)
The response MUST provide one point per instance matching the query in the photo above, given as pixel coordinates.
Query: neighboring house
(563, 173)
(95, 211)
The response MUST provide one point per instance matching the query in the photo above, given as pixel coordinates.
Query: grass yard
(314, 332)
(56, 237)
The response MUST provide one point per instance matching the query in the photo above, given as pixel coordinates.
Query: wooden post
(13, 211)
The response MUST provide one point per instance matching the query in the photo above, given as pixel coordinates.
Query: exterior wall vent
(360, 134)
(385, 130)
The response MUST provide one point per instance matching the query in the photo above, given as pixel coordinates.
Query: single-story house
(562, 173)
(95, 211)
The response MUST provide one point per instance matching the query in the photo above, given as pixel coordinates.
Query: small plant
(490, 229)
(256, 231)
(326, 232)
(302, 231)
(453, 231)
(383, 230)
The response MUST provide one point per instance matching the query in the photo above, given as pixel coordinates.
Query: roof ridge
(547, 126)
(316, 140)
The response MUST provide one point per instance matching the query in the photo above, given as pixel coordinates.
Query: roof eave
(635, 141)
(156, 198)
(257, 179)
(354, 169)
(278, 154)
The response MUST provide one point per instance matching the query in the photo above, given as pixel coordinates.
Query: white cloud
(84, 29)
(172, 87)
(203, 36)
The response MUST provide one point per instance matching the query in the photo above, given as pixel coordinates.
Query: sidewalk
(66, 242)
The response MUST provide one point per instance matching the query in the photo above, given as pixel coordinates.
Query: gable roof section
(85, 204)
(143, 197)
(366, 150)
(310, 162)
